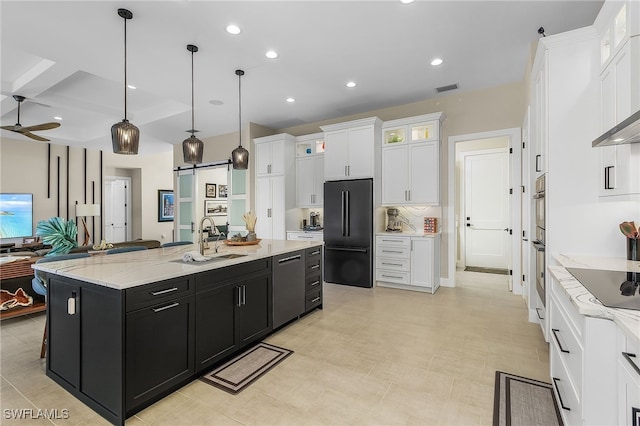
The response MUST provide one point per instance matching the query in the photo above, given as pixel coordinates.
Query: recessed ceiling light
(233, 29)
(271, 54)
(436, 62)
(57, 118)
(216, 102)
(131, 87)
(290, 100)
(406, 1)
(351, 84)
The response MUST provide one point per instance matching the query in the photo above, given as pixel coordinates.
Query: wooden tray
(242, 243)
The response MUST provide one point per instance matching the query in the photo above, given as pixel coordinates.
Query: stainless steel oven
(539, 242)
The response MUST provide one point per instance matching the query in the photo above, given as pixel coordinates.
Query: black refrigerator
(348, 232)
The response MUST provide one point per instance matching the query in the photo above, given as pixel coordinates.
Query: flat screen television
(16, 215)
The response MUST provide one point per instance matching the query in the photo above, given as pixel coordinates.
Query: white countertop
(586, 303)
(409, 234)
(130, 269)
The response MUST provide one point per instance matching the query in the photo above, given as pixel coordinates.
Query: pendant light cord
(239, 110)
(125, 69)
(192, 109)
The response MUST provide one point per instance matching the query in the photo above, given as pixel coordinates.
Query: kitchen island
(127, 329)
(595, 349)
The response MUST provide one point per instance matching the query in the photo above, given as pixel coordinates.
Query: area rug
(235, 375)
(486, 270)
(519, 401)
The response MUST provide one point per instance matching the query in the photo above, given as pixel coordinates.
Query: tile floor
(372, 356)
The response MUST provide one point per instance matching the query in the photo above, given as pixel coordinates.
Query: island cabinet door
(159, 350)
(255, 311)
(215, 325)
(63, 350)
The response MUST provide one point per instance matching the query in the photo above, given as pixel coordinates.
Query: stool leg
(43, 349)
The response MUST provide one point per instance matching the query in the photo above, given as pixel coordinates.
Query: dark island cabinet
(233, 309)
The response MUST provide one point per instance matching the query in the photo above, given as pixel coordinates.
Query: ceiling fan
(26, 131)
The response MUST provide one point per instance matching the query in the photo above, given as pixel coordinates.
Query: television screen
(16, 215)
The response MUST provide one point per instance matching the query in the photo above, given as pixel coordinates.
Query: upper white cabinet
(351, 149)
(619, 27)
(411, 160)
(310, 171)
(274, 184)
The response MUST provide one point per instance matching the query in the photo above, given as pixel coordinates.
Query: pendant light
(240, 156)
(192, 148)
(124, 135)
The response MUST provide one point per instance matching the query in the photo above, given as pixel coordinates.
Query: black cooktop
(615, 289)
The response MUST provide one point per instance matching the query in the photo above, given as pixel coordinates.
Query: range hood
(623, 133)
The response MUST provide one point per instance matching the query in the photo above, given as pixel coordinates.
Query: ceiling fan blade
(35, 137)
(12, 128)
(43, 126)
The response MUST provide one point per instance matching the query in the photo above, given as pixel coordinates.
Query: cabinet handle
(392, 276)
(315, 283)
(305, 236)
(538, 313)
(409, 192)
(391, 251)
(239, 288)
(392, 241)
(628, 357)
(555, 385)
(244, 295)
(158, 293)
(348, 170)
(172, 305)
(538, 169)
(392, 264)
(607, 177)
(555, 332)
(289, 259)
(313, 253)
(315, 267)
(316, 299)
(345, 171)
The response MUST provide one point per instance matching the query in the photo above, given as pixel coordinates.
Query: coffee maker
(314, 222)
(394, 223)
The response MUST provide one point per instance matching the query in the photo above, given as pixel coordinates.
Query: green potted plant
(59, 233)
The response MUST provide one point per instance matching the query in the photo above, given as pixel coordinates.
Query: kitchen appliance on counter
(614, 289)
(314, 222)
(348, 232)
(539, 241)
(394, 224)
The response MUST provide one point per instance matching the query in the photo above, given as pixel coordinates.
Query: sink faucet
(201, 240)
(215, 246)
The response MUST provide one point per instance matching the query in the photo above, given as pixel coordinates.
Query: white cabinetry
(618, 25)
(583, 362)
(411, 160)
(628, 380)
(351, 149)
(274, 184)
(305, 236)
(310, 171)
(411, 263)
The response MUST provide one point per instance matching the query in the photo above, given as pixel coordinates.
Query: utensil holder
(632, 249)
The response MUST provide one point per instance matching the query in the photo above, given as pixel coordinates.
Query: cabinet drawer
(393, 264)
(393, 241)
(314, 253)
(151, 294)
(565, 393)
(219, 277)
(397, 277)
(395, 252)
(313, 300)
(575, 320)
(313, 266)
(566, 344)
(313, 283)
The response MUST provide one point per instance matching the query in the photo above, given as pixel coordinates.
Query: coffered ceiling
(67, 58)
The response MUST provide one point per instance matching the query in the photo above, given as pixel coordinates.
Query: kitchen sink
(229, 256)
(214, 258)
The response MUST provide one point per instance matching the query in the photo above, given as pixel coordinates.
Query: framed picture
(210, 190)
(222, 191)
(165, 205)
(215, 208)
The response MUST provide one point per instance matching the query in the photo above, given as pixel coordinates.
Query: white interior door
(486, 197)
(117, 200)
(185, 213)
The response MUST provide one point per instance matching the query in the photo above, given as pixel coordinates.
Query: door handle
(607, 177)
(469, 225)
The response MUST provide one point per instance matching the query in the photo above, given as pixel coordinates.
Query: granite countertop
(585, 302)
(130, 269)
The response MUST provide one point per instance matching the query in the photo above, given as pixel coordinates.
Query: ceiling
(67, 58)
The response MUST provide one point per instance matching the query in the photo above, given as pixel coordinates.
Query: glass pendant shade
(192, 149)
(240, 158)
(125, 137)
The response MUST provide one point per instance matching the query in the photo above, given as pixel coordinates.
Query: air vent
(447, 88)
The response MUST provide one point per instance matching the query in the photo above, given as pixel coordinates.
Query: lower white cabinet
(583, 362)
(411, 263)
(628, 381)
(305, 236)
